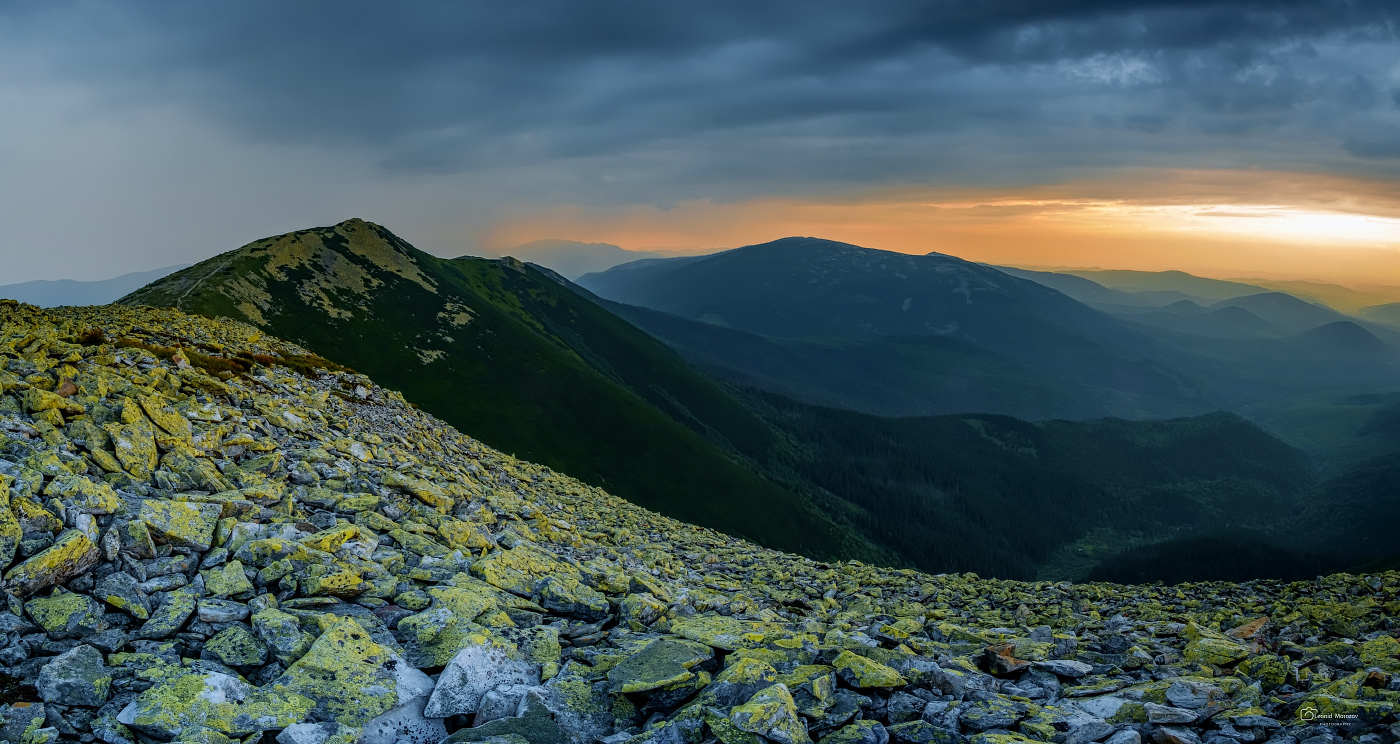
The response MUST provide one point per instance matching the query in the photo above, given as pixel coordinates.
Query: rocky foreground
(208, 534)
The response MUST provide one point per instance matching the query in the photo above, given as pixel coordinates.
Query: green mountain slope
(1015, 498)
(527, 362)
(501, 351)
(899, 376)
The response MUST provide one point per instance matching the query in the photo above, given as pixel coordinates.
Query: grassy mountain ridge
(498, 349)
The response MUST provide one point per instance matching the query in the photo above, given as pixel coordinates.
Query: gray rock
(221, 611)
(164, 583)
(911, 732)
(1064, 667)
(1175, 735)
(14, 719)
(123, 592)
(78, 677)
(572, 598)
(903, 706)
(170, 616)
(108, 731)
(1084, 728)
(535, 725)
(581, 709)
(998, 712)
(950, 682)
(470, 674)
(1124, 736)
(860, 732)
(108, 641)
(1256, 722)
(1193, 695)
(1165, 714)
(217, 557)
(11, 623)
(1105, 706)
(180, 564)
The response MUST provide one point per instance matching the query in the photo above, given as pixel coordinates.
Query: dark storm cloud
(649, 95)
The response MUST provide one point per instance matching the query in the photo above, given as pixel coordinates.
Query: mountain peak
(333, 269)
(381, 248)
(1343, 336)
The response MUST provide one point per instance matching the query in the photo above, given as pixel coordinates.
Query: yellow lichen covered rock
(350, 678)
(183, 523)
(72, 554)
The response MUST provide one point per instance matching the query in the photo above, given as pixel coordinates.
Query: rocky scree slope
(210, 535)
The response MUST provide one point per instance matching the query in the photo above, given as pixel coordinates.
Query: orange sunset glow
(1212, 223)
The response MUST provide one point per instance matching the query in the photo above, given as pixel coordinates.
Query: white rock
(473, 672)
(502, 702)
(406, 722)
(307, 733)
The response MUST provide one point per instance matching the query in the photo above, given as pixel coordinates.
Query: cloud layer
(522, 105)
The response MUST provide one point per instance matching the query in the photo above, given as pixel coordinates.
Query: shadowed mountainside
(890, 333)
(533, 365)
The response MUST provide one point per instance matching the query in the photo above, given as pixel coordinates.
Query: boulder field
(208, 535)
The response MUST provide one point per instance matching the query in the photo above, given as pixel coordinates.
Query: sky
(1223, 138)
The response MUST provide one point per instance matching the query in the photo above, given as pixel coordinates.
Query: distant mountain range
(1164, 287)
(53, 293)
(1388, 313)
(1166, 281)
(896, 334)
(573, 259)
(517, 355)
(1342, 299)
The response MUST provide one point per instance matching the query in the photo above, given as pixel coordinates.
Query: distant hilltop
(58, 292)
